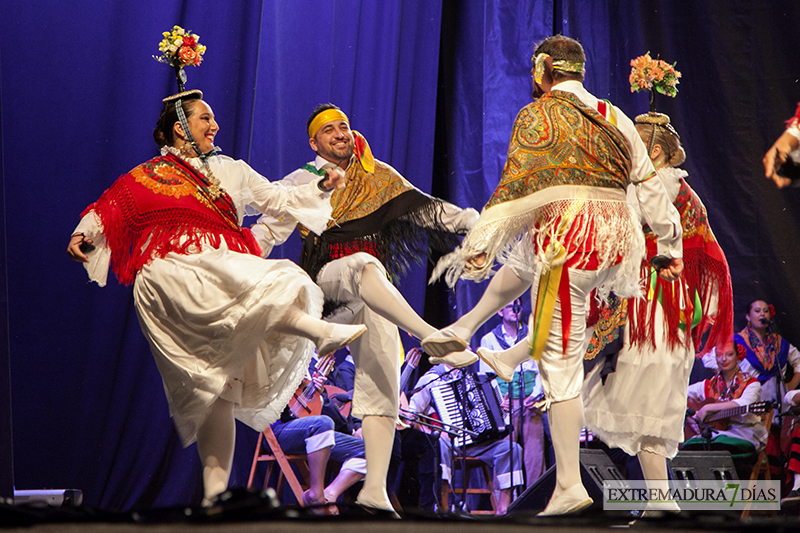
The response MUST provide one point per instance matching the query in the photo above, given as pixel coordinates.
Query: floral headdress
(648, 74)
(180, 48)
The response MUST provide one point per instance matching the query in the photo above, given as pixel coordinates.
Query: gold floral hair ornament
(180, 48)
(568, 66)
(540, 60)
(538, 67)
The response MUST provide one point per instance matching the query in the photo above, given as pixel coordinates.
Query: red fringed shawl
(163, 206)
(706, 276)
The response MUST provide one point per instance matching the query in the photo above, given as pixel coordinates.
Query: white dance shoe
(490, 357)
(340, 336)
(445, 341)
(455, 359)
(572, 500)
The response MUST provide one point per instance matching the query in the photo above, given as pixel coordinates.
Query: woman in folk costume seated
(744, 433)
(231, 333)
(640, 404)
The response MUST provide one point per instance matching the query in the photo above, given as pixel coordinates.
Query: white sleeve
(458, 220)
(793, 357)
(794, 131)
(421, 401)
(305, 203)
(653, 202)
(710, 359)
(789, 398)
(750, 394)
(270, 232)
(697, 391)
(100, 257)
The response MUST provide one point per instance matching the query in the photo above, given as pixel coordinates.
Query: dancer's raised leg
(326, 336)
(504, 362)
(506, 286)
(384, 298)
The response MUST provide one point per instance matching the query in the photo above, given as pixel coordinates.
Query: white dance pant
(562, 372)
(377, 352)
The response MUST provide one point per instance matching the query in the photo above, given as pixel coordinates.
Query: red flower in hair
(741, 352)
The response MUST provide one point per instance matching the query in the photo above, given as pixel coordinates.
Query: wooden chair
(761, 466)
(284, 463)
(470, 463)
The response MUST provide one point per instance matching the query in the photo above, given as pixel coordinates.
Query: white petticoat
(208, 318)
(643, 404)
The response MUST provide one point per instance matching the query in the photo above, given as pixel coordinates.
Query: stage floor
(247, 517)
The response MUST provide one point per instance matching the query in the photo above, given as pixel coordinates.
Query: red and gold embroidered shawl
(163, 206)
(564, 180)
(709, 307)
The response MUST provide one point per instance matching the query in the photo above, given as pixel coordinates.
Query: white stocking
(378, 434)
(384, 298)
(216, 440)
(517, 354)
(566, 422)
(505, 287)
(654, 468)
(297, 322)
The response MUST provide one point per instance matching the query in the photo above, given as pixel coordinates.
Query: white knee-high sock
(566, 422)
(384, 298)
(216, 440)
(505, 287)
(378, 434)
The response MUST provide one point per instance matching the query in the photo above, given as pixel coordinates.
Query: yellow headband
(329, 115)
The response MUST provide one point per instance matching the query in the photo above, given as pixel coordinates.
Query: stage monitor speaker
(701, 465)
(596, 467)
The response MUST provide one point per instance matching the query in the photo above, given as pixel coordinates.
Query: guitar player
(306, 431)
(742, 434)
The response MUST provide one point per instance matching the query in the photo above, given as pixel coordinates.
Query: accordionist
(501, 455)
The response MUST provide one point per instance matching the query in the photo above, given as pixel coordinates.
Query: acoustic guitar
(411, 364)
(720, 420)
(307, 400)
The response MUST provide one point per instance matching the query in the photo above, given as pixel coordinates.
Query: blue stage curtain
(81, 94)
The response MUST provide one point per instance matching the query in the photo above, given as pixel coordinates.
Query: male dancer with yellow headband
(559, 222)
(379, 224)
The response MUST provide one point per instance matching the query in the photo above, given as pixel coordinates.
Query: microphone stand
(438, 426)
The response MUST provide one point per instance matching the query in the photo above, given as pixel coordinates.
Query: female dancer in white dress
(231, 333)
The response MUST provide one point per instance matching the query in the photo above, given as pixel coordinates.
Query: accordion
(471, 402)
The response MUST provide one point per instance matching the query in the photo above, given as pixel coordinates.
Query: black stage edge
(242, 510)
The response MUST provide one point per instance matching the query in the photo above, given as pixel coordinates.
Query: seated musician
(792, 399)
(742, 434)
(500, 454)
(315, 436)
